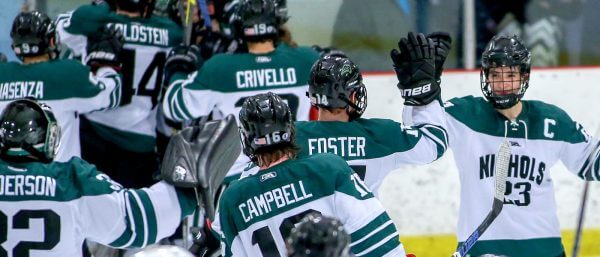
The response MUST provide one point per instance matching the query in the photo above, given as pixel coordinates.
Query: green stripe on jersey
(138, 214)
(382, 238)
(151, 220)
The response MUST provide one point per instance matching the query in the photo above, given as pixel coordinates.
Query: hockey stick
(186, 20)
(502, 161)
(582, 207)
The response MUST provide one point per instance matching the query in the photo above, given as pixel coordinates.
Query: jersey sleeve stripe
(181, 104)
(366, 229)
(151, 224)
(437, 135)
(141, 220)
(591, 167)
(126, 237)
(374, 239)
(371, 233)
(387, 245)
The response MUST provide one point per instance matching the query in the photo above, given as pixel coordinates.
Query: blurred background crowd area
(558, 32)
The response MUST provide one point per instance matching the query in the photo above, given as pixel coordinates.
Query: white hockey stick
(501, 171)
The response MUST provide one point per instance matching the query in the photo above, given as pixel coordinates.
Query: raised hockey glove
(104, 48)
(184, 59)
(442, 42)
(414, 64)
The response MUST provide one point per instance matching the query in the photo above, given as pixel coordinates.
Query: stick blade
(501, 172)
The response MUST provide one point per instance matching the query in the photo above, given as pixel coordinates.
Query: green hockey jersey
(50, 209)
(257, 213)
(224, 82)
(540, 136)
(147, 42)
(375, 147)
(68, 87)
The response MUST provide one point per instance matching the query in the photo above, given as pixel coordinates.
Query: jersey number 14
(157, 65)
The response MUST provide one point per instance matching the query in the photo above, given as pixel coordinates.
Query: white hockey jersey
(257, 213)
(68, 87)
(224, 82)
(375, 147)
(540, 136)
(50, 209)
(132, 126)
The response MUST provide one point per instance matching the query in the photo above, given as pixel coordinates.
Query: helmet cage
(504, 51)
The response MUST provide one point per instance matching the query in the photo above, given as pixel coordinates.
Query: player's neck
(512, 112)
(325, 115)
(261, 47)
(284, 158)
(35, 59)
(128, 14)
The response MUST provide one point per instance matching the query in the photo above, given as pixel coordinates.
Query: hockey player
(540, 134)
(123, 140)
(226, 80)
(318, 236)
(375, 147)
(70, 87)
(257, 212)
(48, 208)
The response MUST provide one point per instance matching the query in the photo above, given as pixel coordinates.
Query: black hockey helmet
(318, 236)
(144, 7)
(28, 132)
(256, 20)
(265, 121)
(333, 82)
(32, 34)
(505, 51)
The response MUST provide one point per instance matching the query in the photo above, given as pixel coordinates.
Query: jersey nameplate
(341, 146)
(277, 198)
(265, 78)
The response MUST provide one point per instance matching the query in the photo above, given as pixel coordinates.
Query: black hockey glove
(104, 48)
(415, 67)
(329, 51)
(184, 59)
(204, 242)
(442, 42)
(215, 43)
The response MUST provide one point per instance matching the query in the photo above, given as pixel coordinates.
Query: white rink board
(424, 199)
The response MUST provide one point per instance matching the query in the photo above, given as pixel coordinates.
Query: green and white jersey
(540, 136)
(225, 81)
(257, 213)
(147, 42)
(50, 209)
(375, 147)
(68, 87)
